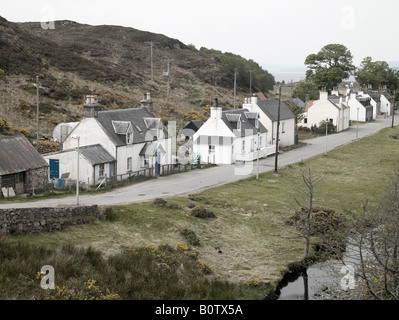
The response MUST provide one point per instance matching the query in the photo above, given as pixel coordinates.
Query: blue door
(157, 164)
(54, 169)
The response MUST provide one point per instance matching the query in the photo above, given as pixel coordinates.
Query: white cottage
(361, 108)
(331, 108)
(135, 138)
(268, 116)
(230, 136)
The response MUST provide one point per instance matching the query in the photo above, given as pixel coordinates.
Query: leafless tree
(376, 237)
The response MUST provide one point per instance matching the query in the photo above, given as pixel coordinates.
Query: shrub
(201, 212)
(160, 202)
(191, 237)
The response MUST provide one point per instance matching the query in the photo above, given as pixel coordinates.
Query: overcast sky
(271, 32)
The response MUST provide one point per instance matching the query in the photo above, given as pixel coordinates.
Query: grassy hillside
(113, 62)
(247, 243)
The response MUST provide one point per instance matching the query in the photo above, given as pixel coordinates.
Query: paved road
(183, 183)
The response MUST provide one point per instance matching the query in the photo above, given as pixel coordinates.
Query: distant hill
(113, 62)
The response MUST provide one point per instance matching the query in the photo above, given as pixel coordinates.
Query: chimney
(216, 111)
(323, 94)
(91, 107)
(335, 92)
(146, 102)
(248, 104)
(254, 100)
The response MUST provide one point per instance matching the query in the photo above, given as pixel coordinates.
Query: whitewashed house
(329, 107)
(133, 138)
(360, 107)
(268, 116)
(95, 164)
(230, 136)
(386, 103)
(372, 100)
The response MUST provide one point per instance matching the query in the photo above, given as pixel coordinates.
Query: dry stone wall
(33, 220)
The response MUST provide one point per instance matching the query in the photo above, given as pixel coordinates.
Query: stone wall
(33, 220)
(37, 179)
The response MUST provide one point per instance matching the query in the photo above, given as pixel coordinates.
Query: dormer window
(257, 123)
(129, 138)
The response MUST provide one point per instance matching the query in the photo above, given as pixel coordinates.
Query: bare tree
(302, 219)
(376, 237)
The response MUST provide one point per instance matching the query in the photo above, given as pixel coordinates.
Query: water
(321, 280)
(312, 283)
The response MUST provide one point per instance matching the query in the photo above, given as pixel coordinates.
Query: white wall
(385, 105)
(287, 138)
(354, 104)
(322, 109)
(90, 133)
(68, 164)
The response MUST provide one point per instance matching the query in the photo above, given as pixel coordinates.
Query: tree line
(249, 74)
(334, 63)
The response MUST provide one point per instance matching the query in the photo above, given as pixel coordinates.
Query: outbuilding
(22, 168)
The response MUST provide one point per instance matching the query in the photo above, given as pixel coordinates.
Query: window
(211, 149)
(252, 145)
(243, 146)
(101, 170)
(232, 150)
(129, 164)
(129, 138)
(283, 127)
(305, 120)
(260, 141)
(239, 125)
(257, 123)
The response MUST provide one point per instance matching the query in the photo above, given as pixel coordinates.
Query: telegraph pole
(278, 128)
(393, 107)
(250, 82)
(151, 43)
(167, 74)
(235, 87)
(37, 107)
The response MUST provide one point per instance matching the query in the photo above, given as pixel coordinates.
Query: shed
(21, 165)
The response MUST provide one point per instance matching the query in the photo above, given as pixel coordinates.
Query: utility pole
(393, 107)
(37, 107)
(167, 74)
(257, 162)
(250, 82)
(151, 43)
(235, 87)
(278, 128)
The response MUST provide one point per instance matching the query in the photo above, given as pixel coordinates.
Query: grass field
(249, 225)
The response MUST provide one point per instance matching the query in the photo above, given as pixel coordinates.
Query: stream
(328, 280)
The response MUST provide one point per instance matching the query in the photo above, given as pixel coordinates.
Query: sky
(277, 34)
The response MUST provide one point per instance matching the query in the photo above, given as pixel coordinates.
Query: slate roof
(137, 118)
(230, 118)
(335, 101)
(194, 124)
(270, 108)
(17, 154)
(96, 154)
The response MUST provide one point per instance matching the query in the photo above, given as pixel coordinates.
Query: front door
(54, 169)
(111, 169)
